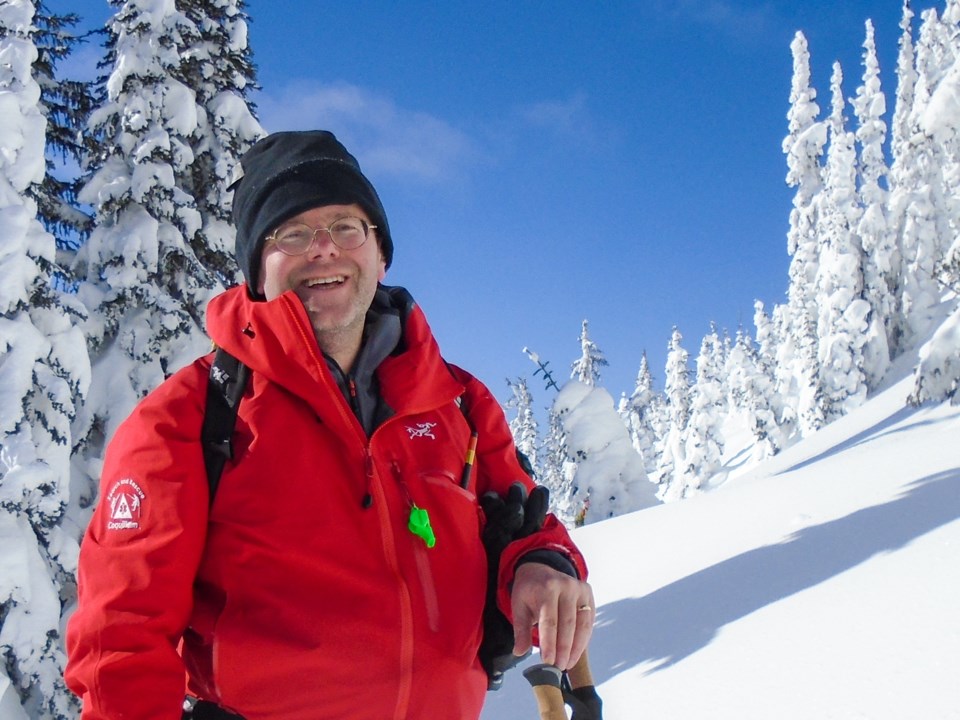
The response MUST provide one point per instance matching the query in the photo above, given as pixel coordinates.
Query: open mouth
(327, 282)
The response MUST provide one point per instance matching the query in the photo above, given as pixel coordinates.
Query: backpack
(228, 380)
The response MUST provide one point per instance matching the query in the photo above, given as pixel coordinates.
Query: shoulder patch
(125, 502)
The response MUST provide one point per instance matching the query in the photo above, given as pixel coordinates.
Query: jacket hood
(276, 340)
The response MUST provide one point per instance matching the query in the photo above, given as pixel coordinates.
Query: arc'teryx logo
(125, 501)
(424, 429)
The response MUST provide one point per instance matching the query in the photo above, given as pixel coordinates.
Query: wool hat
(288, 173)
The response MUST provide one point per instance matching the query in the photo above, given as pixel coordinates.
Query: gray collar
(382, 335)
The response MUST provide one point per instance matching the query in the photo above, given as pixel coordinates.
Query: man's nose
(322, 244)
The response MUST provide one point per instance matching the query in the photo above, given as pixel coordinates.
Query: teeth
(325, 281)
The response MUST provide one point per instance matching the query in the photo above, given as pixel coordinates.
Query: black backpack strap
(228, 380)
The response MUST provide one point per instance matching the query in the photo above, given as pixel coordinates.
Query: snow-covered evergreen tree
(843, 312)
(523, 427)
(803, 147)
(677, 407)
(937, 376)
(939, 121)
(919, 196)
(642, 414)
(65, 104)
(766, 338)
(586, 368)
(751, 392)
(216, 62)
(764, 355)
(901, 167)
(173, 120)
(558, 472)
(703, 440)
(610, 479)
(878, 243)
(43, 373)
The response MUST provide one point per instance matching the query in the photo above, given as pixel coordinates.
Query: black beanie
(288, 173)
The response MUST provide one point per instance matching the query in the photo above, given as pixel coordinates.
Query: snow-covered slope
(824, 583)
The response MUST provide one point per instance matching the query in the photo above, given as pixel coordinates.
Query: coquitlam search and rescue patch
(125, 501)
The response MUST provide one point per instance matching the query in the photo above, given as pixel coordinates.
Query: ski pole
(545, 681)
(579, 674)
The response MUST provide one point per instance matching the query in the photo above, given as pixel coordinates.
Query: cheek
(272, 271)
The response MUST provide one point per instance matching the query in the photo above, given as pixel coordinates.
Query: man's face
(336, 286)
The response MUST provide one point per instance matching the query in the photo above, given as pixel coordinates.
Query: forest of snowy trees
(105, 273)
(874, 242)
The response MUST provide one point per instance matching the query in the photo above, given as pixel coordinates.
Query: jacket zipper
(424, 572)
(375, 491)
(406, 602)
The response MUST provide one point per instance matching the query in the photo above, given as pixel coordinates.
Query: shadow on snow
(669, 624)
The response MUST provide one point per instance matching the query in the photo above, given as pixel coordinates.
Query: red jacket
(289, 599)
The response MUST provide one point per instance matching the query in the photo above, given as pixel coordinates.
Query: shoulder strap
(228, 380)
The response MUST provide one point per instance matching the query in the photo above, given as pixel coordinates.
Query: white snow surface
(822, 583)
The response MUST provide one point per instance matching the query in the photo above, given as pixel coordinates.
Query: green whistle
(419, 525)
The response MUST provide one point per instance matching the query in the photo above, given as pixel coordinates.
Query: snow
(609, 470)
(821, 583)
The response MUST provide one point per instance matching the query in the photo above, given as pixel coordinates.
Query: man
(308, 590)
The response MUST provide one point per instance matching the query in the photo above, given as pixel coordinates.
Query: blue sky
(545, 162)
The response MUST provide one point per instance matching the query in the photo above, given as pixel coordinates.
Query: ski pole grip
(545, 681)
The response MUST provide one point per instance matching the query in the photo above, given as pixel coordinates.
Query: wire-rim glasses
(347, 233)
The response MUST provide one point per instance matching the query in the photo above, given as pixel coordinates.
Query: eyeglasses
(347, 233)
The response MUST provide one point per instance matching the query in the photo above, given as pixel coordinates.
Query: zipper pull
(419, 525)
(367, 500)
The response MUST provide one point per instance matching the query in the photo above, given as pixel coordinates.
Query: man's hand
(561, 608)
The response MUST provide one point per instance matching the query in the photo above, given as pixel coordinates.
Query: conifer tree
(877, 241)
(171, 124)
(766, 338)
(557, 474)
(219, 68)
(901, 152)
(43, 372)
(523, 427)
(764, 355)
(642, 413)
(610, 479)
(939, 122)
(703, 439)
(751, 392)
(920, 195)
(803, 147)
(677, 407)
(843, 313)
(66, 104)
(937, 375)
(586, 368)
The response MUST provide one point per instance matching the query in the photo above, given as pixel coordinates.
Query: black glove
(508, 519)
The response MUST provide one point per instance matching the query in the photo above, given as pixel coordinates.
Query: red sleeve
(139, 557)
(497, 468)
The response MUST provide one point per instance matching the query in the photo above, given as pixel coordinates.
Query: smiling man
(340, 571)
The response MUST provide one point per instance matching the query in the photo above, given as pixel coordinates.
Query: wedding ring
(584, 607)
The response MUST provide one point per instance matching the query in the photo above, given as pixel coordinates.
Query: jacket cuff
(551, 558)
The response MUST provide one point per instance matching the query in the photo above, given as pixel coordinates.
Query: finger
(581, 638)
(535, 511)
(523, 624)
(567, 626)
(547, 626)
